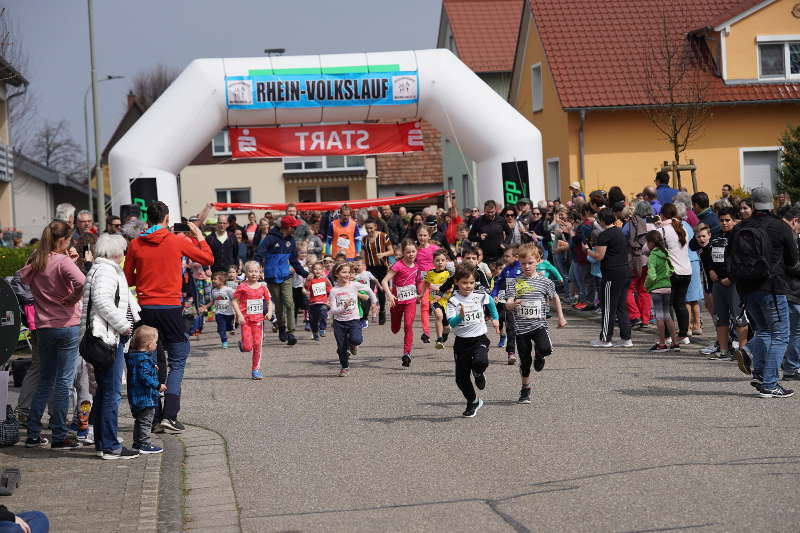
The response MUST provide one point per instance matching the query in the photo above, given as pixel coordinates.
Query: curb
(209, 501)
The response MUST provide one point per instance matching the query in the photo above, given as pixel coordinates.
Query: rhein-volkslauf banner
(341, 86)
(342, 139)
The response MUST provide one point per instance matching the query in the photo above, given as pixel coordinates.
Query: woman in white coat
(113, 313)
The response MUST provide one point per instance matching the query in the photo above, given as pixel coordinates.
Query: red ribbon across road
(333, 206)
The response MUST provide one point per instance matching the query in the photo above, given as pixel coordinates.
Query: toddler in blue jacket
(143, 386)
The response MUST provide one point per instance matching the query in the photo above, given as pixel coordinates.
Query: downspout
(11, 150)
(581, 150)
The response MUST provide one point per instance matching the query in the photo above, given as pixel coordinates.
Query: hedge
(12, 259)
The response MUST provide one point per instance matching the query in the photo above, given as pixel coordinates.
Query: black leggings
(536, 341)
(379, 272)
(471, 355)
(680, 284)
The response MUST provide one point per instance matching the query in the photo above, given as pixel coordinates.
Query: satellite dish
(10, 322)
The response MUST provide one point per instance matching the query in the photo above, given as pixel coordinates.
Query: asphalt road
(615, 440)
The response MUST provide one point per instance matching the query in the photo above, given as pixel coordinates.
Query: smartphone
(179, 227)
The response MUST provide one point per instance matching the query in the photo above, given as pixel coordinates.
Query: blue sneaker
(256, 374)
(146, 449)
(322, 333)
(225, 344)
(502, 342)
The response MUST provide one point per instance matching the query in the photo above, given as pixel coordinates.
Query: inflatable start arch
(211, 94)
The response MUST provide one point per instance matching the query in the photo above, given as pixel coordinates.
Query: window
(323, 194)
(536, 87)
(221, 144)
(466, 190)
(778, 60)
(233, 196)
(331, 162)
(305, 196)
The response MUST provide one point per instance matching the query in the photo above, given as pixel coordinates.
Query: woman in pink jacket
(57, 287)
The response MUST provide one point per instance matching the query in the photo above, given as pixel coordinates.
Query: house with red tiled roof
(483, 34)
(589, 75)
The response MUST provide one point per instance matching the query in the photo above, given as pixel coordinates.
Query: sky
(134, 36)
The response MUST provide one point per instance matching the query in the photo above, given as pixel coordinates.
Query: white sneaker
(711, 349)
(685, 340)
(599, 343)
(623, 343)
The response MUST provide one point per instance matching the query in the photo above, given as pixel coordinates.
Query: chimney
(131, 99)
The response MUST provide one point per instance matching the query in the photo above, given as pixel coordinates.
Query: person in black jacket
(488, 232)
(223, 246)
(791, 361)
(762, 284)
(394, 224)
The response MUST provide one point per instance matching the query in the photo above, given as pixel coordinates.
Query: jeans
(58, 351)
(282, 297)
(142, 426)
(769, 316)
(105, 408)
(791, 360)
(347, 334)
(577, 273)
(36, 520)
(224, 325)
(318, 317)
(177, 353)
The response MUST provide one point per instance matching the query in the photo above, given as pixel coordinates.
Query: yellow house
(588, 74)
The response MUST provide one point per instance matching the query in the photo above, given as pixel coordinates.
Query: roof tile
(485, 32)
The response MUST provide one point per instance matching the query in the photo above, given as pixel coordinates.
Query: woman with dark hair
(261, 233)
(615, 195)
(56, 283)
(514, 231)
(677, 240)
(413, 227)
(250, 229)
(746, 208)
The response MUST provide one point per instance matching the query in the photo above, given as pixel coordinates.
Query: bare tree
(53, 147)
(21, 101)
(148, 85)
(676, 86)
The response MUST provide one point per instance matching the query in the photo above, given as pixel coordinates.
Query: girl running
(471, 347)
(318, 287)
(343, 302)
(527, 297)
(658, 284)
(424, 260)
(402, 297)
(248, 304)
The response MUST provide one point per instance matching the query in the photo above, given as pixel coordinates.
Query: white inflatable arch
(211, 94)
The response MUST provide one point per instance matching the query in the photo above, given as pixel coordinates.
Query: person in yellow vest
(344, 235)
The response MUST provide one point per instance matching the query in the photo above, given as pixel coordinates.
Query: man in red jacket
(154, 266)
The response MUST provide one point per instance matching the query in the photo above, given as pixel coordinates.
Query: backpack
(637, 236)
(749, 254)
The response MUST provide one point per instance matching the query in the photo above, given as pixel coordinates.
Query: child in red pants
(403, 297)
(248, 304)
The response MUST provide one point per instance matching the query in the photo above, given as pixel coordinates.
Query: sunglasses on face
(117, 225)
(512, 215)
(536, 213)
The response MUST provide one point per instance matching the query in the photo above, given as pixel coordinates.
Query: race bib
(343, 243)
(223, 306)
(718, 254)
(473, 314)
(318, 289)
(501, 297)
(255, 307)
(345, 303)
(534, 310)
(436, 294)
(407, 292)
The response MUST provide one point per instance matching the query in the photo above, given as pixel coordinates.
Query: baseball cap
(575, 185)
(522, 201)
(288, 221)
(762, 199)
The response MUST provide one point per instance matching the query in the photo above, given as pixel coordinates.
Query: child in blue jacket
(143, 386)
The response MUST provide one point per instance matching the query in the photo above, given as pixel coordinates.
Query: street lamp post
(86, 140)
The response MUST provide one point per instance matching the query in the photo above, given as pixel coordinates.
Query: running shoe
(743, 360)
(172, 426)
(775, 392)
(148, 449)
(316, 337)
(580, 306)
(472, 408)
(439, 343)
(512, 359)
(599, 343)
(282, 335)
(67, 443)
(710, 349)
(635, 322)
(256, 374)
(720, 356)
(445, 336)
(425, 338)
(623, 343)
(756, 380)
(538, 363)
(322, 333)
(406, 360)
(38, 442)
(344, 372)
(365, 324)
(291, 340)
(659, 348)
(122, 453)
(353, 352)
(480, 380)
(685, 340)
(502, 342)
(674, 348)
(225, 345)
(791, 377)
(524, 395)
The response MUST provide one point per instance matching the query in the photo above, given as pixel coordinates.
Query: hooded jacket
(142, 380)
(275, 253)
(153, 265)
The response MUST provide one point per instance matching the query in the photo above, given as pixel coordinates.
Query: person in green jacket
(657, 283)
